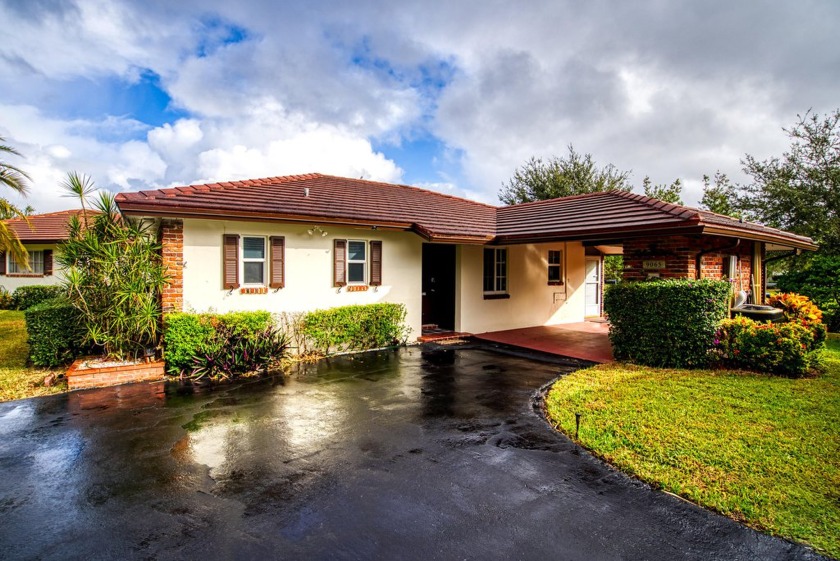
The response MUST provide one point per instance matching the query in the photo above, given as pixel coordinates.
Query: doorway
(592, 289)
(439, 286)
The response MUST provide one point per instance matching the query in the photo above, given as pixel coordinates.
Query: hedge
(666, 323)
(354, 328)
(186, 335)
(27, 296)
(56, 332)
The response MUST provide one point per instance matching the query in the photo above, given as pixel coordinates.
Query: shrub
(55, 332)
(234, 352)
(5, 299)
(799, 309)
(819, 280)
(666, 323)
(187, 336)
(355, 328)
(25, 297)
(781, 348)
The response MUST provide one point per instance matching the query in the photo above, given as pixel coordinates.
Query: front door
(593, 287)
(439, 285)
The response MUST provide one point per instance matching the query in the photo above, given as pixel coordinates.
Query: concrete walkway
(587, 340)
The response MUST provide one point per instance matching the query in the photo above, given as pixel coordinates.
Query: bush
(56, 332)
(354, 328)
(187, 336)
(799, 309)
(666, 323)
(5, 299)
(819, 280)
(781, 348)
(27, 296)
(233, 352)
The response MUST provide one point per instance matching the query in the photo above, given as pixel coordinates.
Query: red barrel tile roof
(42, 228)
(438, 217)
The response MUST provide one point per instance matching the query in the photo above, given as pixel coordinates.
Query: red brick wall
(172, 251)
(680, 256)
(79, 377)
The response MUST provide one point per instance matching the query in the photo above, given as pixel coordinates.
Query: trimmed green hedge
(666, 323)
(27, 296)
(56, 332)
(790, 349)
(186, 336)
(354, 328)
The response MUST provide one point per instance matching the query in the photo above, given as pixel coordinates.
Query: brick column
(172, 253)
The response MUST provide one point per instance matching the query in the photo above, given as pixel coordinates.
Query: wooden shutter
(2, 262)
(339, 262)
(48, 262)
(376, 263)
(278, 258)
(230, 259)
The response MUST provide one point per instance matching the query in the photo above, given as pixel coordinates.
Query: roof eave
(777, 239)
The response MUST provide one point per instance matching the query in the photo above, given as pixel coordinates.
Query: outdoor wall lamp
(316, 230)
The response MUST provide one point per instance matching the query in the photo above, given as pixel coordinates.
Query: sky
(451, 96)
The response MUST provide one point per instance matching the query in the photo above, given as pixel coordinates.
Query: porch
(587, 340)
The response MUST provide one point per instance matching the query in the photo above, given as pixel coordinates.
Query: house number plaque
(653, 264)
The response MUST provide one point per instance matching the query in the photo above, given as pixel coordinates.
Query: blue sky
(450, 96)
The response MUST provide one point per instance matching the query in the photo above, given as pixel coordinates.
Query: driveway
(396, 455)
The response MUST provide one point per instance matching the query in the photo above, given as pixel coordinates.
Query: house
(40, 235)
(304, 242)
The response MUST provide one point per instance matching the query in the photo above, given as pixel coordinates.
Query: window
(555, 267)
(253, 260)
(495, 271)
(730, 267)
(36, 261)
(356, 261)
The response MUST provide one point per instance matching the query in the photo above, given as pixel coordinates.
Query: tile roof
(323, 198)
(315, 197)
(42, 228)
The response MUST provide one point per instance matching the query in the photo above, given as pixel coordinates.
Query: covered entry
(438, 287)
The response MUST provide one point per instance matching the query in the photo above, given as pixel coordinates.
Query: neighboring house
(298, 243)
(40, 235)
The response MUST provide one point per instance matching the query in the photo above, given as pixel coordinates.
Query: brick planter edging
(79, 377)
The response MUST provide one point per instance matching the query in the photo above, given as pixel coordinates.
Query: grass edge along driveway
(760, 449)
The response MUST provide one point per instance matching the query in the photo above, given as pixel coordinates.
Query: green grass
(763, 450)
(17, 380)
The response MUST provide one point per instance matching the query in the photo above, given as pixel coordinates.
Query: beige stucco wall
(10, 283)
(309, 274)
(532, 301)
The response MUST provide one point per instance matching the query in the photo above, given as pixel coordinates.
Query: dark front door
(439, 285)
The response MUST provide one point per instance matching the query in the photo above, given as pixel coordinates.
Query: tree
(669, 193)
(16, 180)
(26, 212)
(800, 191)
(574, 174)
(114, 276)
(720, 197)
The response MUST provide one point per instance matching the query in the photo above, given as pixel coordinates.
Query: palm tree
(80, 186)
(16, 180)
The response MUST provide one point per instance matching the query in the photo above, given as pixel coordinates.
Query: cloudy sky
(450, 95)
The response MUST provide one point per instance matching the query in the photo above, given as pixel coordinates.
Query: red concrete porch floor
(587, 340)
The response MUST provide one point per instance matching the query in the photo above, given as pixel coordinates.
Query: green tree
(538, 180)
(800, 191)
(17, 180)
(114, 277)
(721, 196)
(669, 193)
(819, 280)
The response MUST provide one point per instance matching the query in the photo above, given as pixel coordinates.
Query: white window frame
(36, 261)
(497, 251)
(558, 265)
(364, 263)
(264, 261)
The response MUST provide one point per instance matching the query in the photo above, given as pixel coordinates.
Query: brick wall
(172, 251)
(680, 256)
(80, 377)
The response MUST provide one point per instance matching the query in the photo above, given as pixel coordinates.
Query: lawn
(17, 380)
(763, 450)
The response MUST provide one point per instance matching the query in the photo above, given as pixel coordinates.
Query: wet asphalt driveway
(399, 455)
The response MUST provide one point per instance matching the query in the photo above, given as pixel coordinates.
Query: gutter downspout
(698, 273)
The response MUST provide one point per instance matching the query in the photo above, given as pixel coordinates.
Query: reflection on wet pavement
(410, 454)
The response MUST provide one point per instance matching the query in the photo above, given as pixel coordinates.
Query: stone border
(80, 377)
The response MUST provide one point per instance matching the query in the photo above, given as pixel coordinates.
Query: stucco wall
(309, 274)
(532, 301)
(10, 283)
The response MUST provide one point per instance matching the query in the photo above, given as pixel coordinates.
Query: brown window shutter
(278, 262)
(231, 261)
(48, 262)
(376, 263)
(339, 262)
(2, 262)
